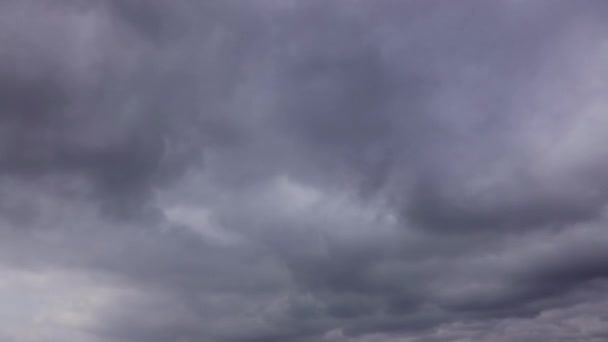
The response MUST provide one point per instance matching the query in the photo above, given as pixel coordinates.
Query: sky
(303, 170)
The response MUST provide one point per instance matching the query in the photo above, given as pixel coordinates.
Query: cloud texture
(303, 170)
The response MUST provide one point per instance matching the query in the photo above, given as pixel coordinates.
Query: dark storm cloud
(108, 102)
(303, 170)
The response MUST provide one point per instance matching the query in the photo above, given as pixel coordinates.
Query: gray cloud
(303, 170)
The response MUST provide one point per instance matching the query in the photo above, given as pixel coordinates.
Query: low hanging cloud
(340, 170)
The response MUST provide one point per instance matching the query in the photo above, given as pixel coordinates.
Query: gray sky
(303, 170)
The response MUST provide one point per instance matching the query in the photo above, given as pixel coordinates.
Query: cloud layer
(340, 170)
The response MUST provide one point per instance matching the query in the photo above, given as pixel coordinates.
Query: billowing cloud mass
(303, 170)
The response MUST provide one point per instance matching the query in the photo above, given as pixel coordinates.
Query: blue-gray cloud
(303, 170)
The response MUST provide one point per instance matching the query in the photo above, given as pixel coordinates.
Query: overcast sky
(303, 170)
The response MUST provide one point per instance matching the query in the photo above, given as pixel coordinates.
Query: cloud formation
(333, 171)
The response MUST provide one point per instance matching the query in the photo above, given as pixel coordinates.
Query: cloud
(303, 170)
